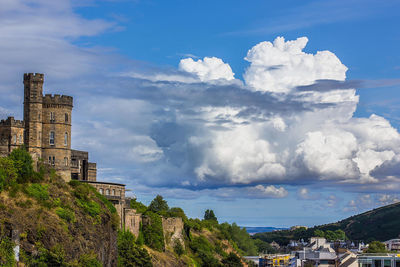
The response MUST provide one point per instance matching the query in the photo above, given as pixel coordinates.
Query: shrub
(177, 212)
(129, 253)
(89, 260)
(91, 207)
(65, 214)
(232, 260)
(376, 247)
(23, 164)
(153, 232)
(7, 253)
(8, 173)
(178, 248)
(138, 206)
(38, 191)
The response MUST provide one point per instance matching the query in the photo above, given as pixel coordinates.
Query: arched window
(113, 192)
(54, 161)
(15, 139)
(20, 139)
(52, 137)
(49, 160)
(66, 117)
(101, 190)
(66, 161)
(66, 139)
(107, 192)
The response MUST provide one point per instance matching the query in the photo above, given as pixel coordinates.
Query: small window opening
(52, 137)
(66, 117)
(52, 117)
(66, 139)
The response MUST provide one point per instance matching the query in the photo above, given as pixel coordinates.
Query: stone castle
(46, 133)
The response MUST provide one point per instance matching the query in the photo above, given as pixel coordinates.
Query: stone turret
(33, 99)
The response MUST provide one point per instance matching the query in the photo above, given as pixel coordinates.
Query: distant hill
(378, 224)
(255, 230)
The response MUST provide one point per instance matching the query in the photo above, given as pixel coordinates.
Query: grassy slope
(40, 226)
(379, 224)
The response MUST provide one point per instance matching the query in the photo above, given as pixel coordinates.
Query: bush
(8, 173)
(89, 260)
(129, 253)
(91, 207)
(153, 231)
(66, 214)
(23, 164)
(38, 191)
(232, 260)
(178, 248)
(138, 206)
(7, 253)
(376, 247)
(177, 212)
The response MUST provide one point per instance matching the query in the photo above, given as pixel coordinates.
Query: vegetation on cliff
(205, 242)
(378, 224)
(57, 224)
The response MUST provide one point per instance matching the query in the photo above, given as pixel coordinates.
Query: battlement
(10, 121)
(58, 99)
(34, 77)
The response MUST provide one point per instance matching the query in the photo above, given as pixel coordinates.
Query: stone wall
(11, 135)
(132, 221)
(173, 230)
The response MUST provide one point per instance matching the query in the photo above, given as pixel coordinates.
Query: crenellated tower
(56, 141)
(33, 103)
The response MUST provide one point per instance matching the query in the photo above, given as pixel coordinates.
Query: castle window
(107, 192)
(20, 139)
(66, 139)
(66, 161)
(39, 116)
(15, 139)
(54, 161)
(49, 160)
(101, 190)
(52, 117)
(66, 117)
(52, 137)
(113, 192)
(40, 136)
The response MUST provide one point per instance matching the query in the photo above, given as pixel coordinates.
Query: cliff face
(53, 219)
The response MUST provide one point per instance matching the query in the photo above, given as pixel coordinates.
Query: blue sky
(262, 141)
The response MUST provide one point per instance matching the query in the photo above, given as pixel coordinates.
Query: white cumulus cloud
(208, 69)
(280, 66)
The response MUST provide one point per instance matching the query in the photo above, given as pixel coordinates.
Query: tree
(177, 212)
(319, 233)
(138, 206)
(23, 164)
(376, 247)
(209, 215)
(158, 205)
(232, 260)
(129, 253)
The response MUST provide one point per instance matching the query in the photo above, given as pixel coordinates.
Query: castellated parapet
(10, 121)
(37, 77)
(57, 100)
